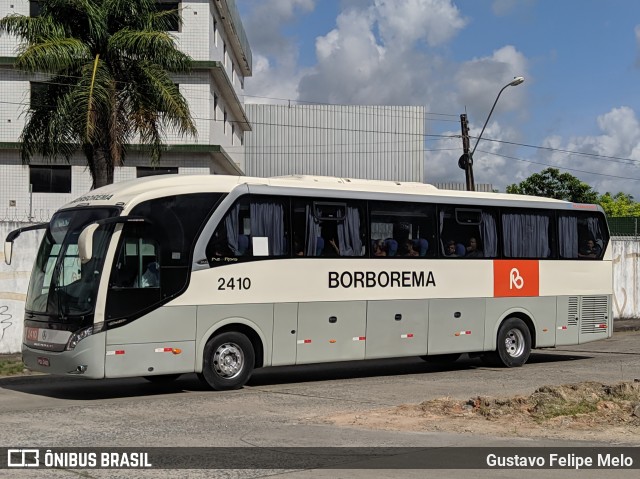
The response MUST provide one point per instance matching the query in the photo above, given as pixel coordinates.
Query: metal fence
(35, 216)
(624, 226)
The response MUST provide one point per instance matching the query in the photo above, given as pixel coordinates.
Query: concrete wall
(349, 141)
(626, 278)
(14, 281)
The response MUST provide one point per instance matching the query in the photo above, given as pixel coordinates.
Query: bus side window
(255, 226)
(582, 235)
(138, 265)
(402, 230)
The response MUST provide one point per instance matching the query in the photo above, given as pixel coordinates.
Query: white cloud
(375, 54)
(404, 22)
(275, 57)
(619, 138)
(479, 81)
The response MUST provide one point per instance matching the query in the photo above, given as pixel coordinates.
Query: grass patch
(551, 409)
(11, 366)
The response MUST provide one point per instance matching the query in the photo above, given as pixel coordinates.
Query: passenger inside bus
(473, 250)
(408, 249)
(589, 250)
(151, 277)
(450, 249)
(379, 248)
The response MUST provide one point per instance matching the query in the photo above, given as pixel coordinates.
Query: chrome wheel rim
(228, 360)
(514, 343)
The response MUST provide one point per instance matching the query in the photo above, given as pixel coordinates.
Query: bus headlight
(79, 336)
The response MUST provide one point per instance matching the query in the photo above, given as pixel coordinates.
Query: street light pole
(466, 160)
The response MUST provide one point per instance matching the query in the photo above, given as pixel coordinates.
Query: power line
(560, 167)
(560, 150)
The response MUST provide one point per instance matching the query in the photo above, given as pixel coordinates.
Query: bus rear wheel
(228, 361)
(513, 346)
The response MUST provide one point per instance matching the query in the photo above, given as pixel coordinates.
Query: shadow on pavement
(77, 389)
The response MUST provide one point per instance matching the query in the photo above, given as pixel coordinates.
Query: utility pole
(466, 160)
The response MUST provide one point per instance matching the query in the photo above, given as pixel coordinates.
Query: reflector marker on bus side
(602, 326)
(113, 353)
(168, 350)
(563, 328)
(360, 338)
(332, 341)
(406, 336)
(463, 333)
(304, 341)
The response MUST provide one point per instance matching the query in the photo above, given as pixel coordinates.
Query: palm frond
(153, 46)
(53, 55)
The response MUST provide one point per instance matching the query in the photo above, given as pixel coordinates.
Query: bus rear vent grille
(595, 313)
(572, 320)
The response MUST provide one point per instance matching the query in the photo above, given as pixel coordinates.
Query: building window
(38, 94)
(233, 134)
(142, 171)
(215, 32)
(35, 8)
(224, 54)
(50, 179)
(225, 122)
(215, 106)
(174, 22)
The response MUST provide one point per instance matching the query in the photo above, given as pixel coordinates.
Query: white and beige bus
(220, 275)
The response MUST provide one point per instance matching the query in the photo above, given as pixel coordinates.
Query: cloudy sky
(577, 110)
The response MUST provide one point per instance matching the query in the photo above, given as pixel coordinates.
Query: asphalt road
(285, 406)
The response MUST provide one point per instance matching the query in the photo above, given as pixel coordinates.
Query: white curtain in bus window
(568, 234)
(349, 240)
(526, 235)
(314, 243)
(489, 235)
(233, 231)
(267, 225)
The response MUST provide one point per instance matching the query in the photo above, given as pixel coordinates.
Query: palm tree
(108, 65)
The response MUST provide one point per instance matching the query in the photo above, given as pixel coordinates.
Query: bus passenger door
(331, 331)
(397, 328)
(456, 325)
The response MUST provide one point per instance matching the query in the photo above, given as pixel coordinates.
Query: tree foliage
(620, 204)
(550, 183)
(108, 65)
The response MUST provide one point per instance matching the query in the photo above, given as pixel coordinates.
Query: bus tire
(513, 345)
(162, 378)
(228, 361)
(441, 358)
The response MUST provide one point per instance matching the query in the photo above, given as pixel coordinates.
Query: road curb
(626, 325)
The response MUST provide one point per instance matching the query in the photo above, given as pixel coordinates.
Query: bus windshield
(60, 285)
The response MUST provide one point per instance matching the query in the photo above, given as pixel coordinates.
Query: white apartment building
(212, 34)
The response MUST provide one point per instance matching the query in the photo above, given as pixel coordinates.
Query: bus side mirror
(8, 250)
(8, 243)
(85, 242)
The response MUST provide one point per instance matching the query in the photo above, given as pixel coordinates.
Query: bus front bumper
(85, 360)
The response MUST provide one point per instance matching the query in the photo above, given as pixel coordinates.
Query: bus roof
(128, 193)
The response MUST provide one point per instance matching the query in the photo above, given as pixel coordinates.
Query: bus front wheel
(513, 346)
(228, 361)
